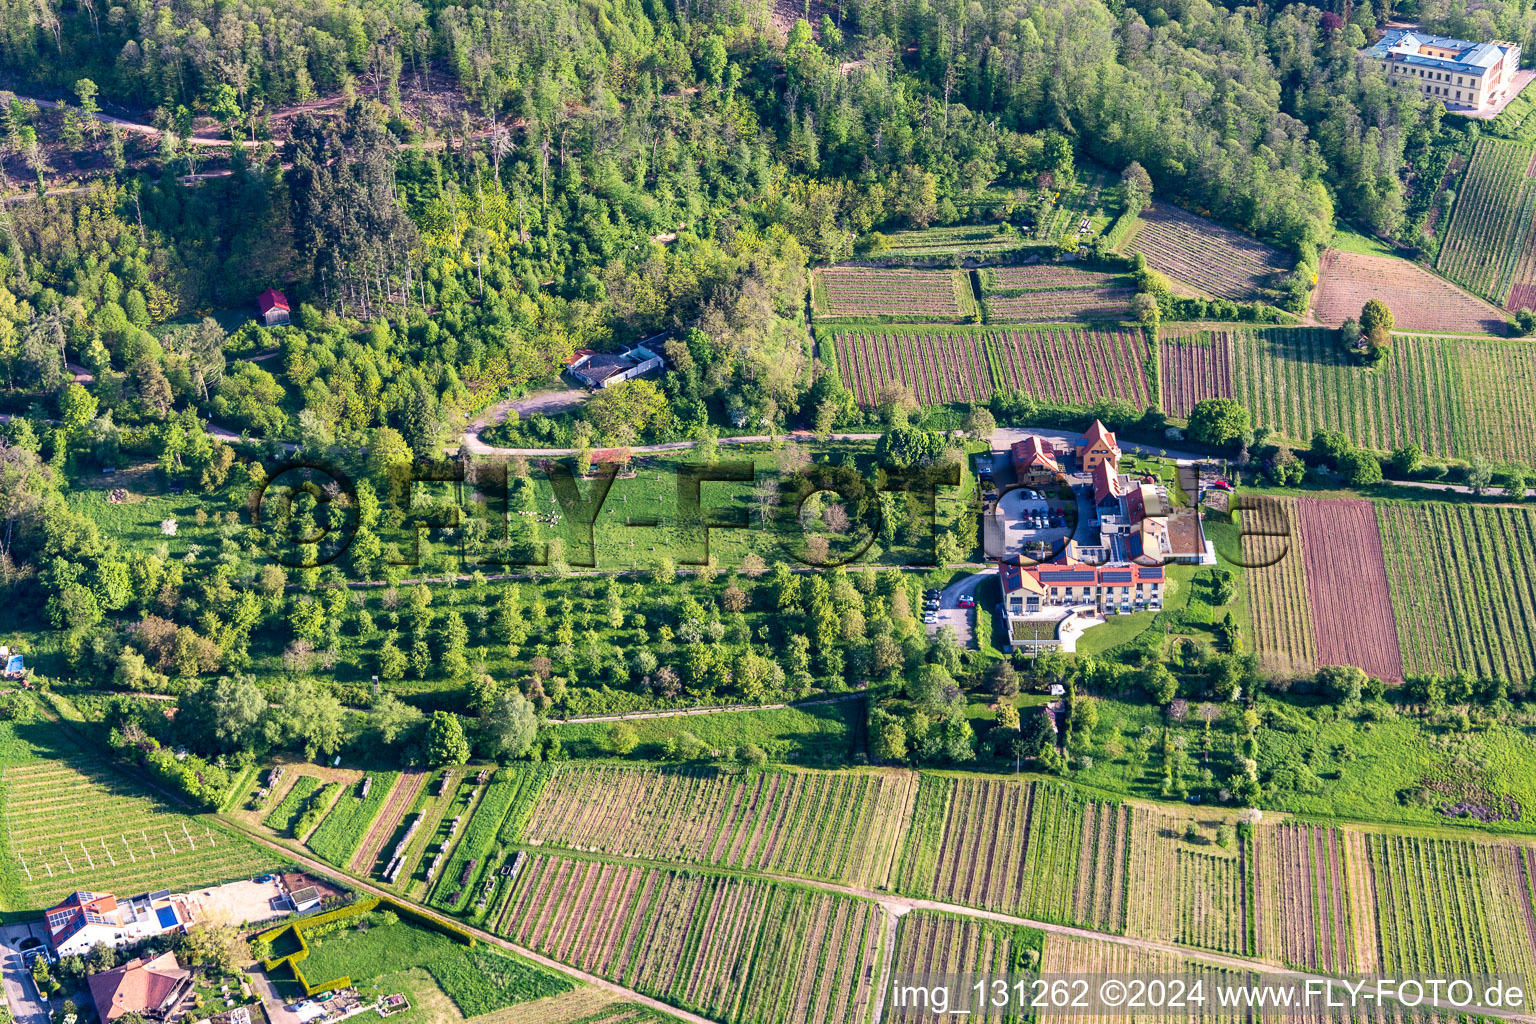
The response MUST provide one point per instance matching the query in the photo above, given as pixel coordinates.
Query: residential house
(85, 920)
(599, 370)
(1036, 462)
(1465, 76)
(272, 306)
(153, 989)
(1097, 445)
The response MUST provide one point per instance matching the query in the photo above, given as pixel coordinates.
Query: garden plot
(731, 948)
(841, 826)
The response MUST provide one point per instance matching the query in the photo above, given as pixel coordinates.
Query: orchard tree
(445, 744)
(1219, 421)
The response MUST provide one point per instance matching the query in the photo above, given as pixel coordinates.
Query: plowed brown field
(1347, 586)
(1419, 300)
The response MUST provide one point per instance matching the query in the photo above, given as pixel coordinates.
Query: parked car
(1222, 485)
(929, 618)
(967, 601)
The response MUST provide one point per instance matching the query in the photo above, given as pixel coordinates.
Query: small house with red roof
(1097, 445)
(153, 989)
(272, 307)
(1035, 461)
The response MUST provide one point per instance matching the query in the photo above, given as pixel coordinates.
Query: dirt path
(472, 442)
(722, 709)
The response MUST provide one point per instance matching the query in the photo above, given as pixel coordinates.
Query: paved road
(20, 992)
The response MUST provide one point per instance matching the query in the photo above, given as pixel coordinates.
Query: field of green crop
(842, 826)
(281, 818)
(343, 829)
(1455, 396)
(1452, 907)
(1463, 587)
(507, 799)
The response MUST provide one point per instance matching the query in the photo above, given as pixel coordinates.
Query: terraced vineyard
(72, 822)
(1034, 849)
(1462, 587)
(1193, 368)
(871, 293)
(733, 949)
(1181, 893)
(1074, 367)
(1054, 293)
(1303, 905)
(938, 366)
(1298, 380)
(1455, 907)
(1200, 252)
(838, 826)
(933, 943)
(1488, 237)
(1277, 586)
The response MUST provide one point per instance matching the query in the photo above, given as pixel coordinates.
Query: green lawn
(477, 979)
(1348, 240)
(1313, 763)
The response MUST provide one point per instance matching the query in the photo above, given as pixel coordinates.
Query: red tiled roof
(1106, 482)
(1032, 452)
(1068, 572)
(1098, 433)
(272, 299)
(139, 986)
